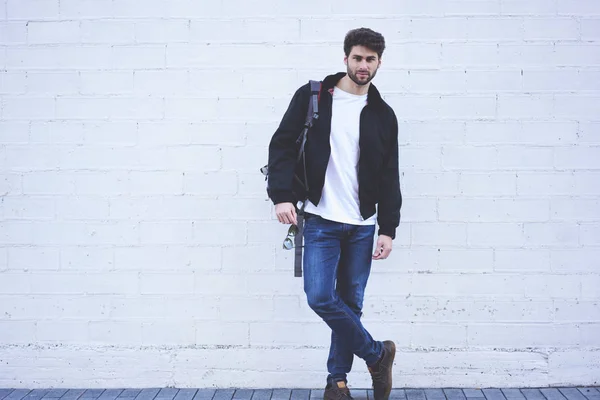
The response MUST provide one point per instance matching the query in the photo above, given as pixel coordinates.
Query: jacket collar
(373, 96)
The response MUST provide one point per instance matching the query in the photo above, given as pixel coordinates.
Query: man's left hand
(384, 247)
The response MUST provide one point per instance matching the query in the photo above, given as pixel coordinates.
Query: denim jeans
(337, 264)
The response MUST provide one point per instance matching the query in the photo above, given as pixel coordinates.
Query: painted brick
(495, 234)
(85, 9)
(470, 158)
(163, 283)
(25, 207)
(471, 260)
(156, 182)
(430, 184)
(468, 8)
(13, 83)
(548, 29)
(486, 311)
(22, 108)
(575, 209)
(212, 183)
(265, 334)
(435, 234)
(580, 7)
(533, 7)
(469, 54)
(118, 332)
(17, 332)
(521, 260)
(574, 54)
(496, 184)
(525, 106)
(420, 210)
(493, 210)
(525, 55)
(162, 333)
(427, 335)
(581, 260)
(537, 234)
(31, 9)
(577, 157)
(568, 106)
(33, 258)
(528, 158)
(162, 31)
(56, 132)
(430, 132)
(130, 8)
(161, 82)
(589, 234)
(551, 133)
(53, 32)
(447, 29)
(580, 311)
(505, 29)
(553, 286)
(62, 331)
(420, 158)
(467, 285)
(10, 184)
(106, 82)
(590, 29)
(13, 32)
(224, 334)
(53, 83)
(112, 32)
(510, 335)
(87, 258)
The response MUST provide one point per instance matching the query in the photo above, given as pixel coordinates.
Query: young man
(351, 166)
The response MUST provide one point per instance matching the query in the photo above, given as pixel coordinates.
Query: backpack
(311, 115)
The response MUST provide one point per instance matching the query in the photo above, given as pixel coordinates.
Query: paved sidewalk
(581, 393)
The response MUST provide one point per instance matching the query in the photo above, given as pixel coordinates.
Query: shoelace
(343, 394)
(377, 375)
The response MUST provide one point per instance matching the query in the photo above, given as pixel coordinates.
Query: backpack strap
(298, 244)
(311, 114)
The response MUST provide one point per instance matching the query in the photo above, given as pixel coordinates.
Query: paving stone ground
(570, 393)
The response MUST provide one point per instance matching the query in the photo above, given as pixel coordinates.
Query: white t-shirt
(339, 199)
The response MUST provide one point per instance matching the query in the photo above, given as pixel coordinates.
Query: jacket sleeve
(390, 199)
(283, 148)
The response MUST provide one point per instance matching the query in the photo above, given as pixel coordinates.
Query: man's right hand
(286, 213)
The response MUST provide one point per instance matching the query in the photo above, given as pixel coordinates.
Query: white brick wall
(137, 246)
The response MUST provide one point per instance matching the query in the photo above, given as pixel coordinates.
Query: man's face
(362, 64)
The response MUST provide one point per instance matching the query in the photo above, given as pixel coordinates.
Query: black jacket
(378, 179)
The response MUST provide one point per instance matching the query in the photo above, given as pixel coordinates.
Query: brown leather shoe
(337, 391)
(381, 373)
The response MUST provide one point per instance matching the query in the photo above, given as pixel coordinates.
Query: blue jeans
(340, 252)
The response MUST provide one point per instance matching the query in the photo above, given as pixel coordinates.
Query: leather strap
(298, 247)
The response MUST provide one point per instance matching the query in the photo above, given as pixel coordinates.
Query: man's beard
(356, 80)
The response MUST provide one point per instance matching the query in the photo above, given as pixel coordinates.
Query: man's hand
(286, 213)
(384, 247)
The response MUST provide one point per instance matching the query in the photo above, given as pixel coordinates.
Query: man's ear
(346, 60)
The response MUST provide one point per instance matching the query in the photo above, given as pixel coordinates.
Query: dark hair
(364, 37)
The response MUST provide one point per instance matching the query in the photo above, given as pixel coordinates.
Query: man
(351, 165)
